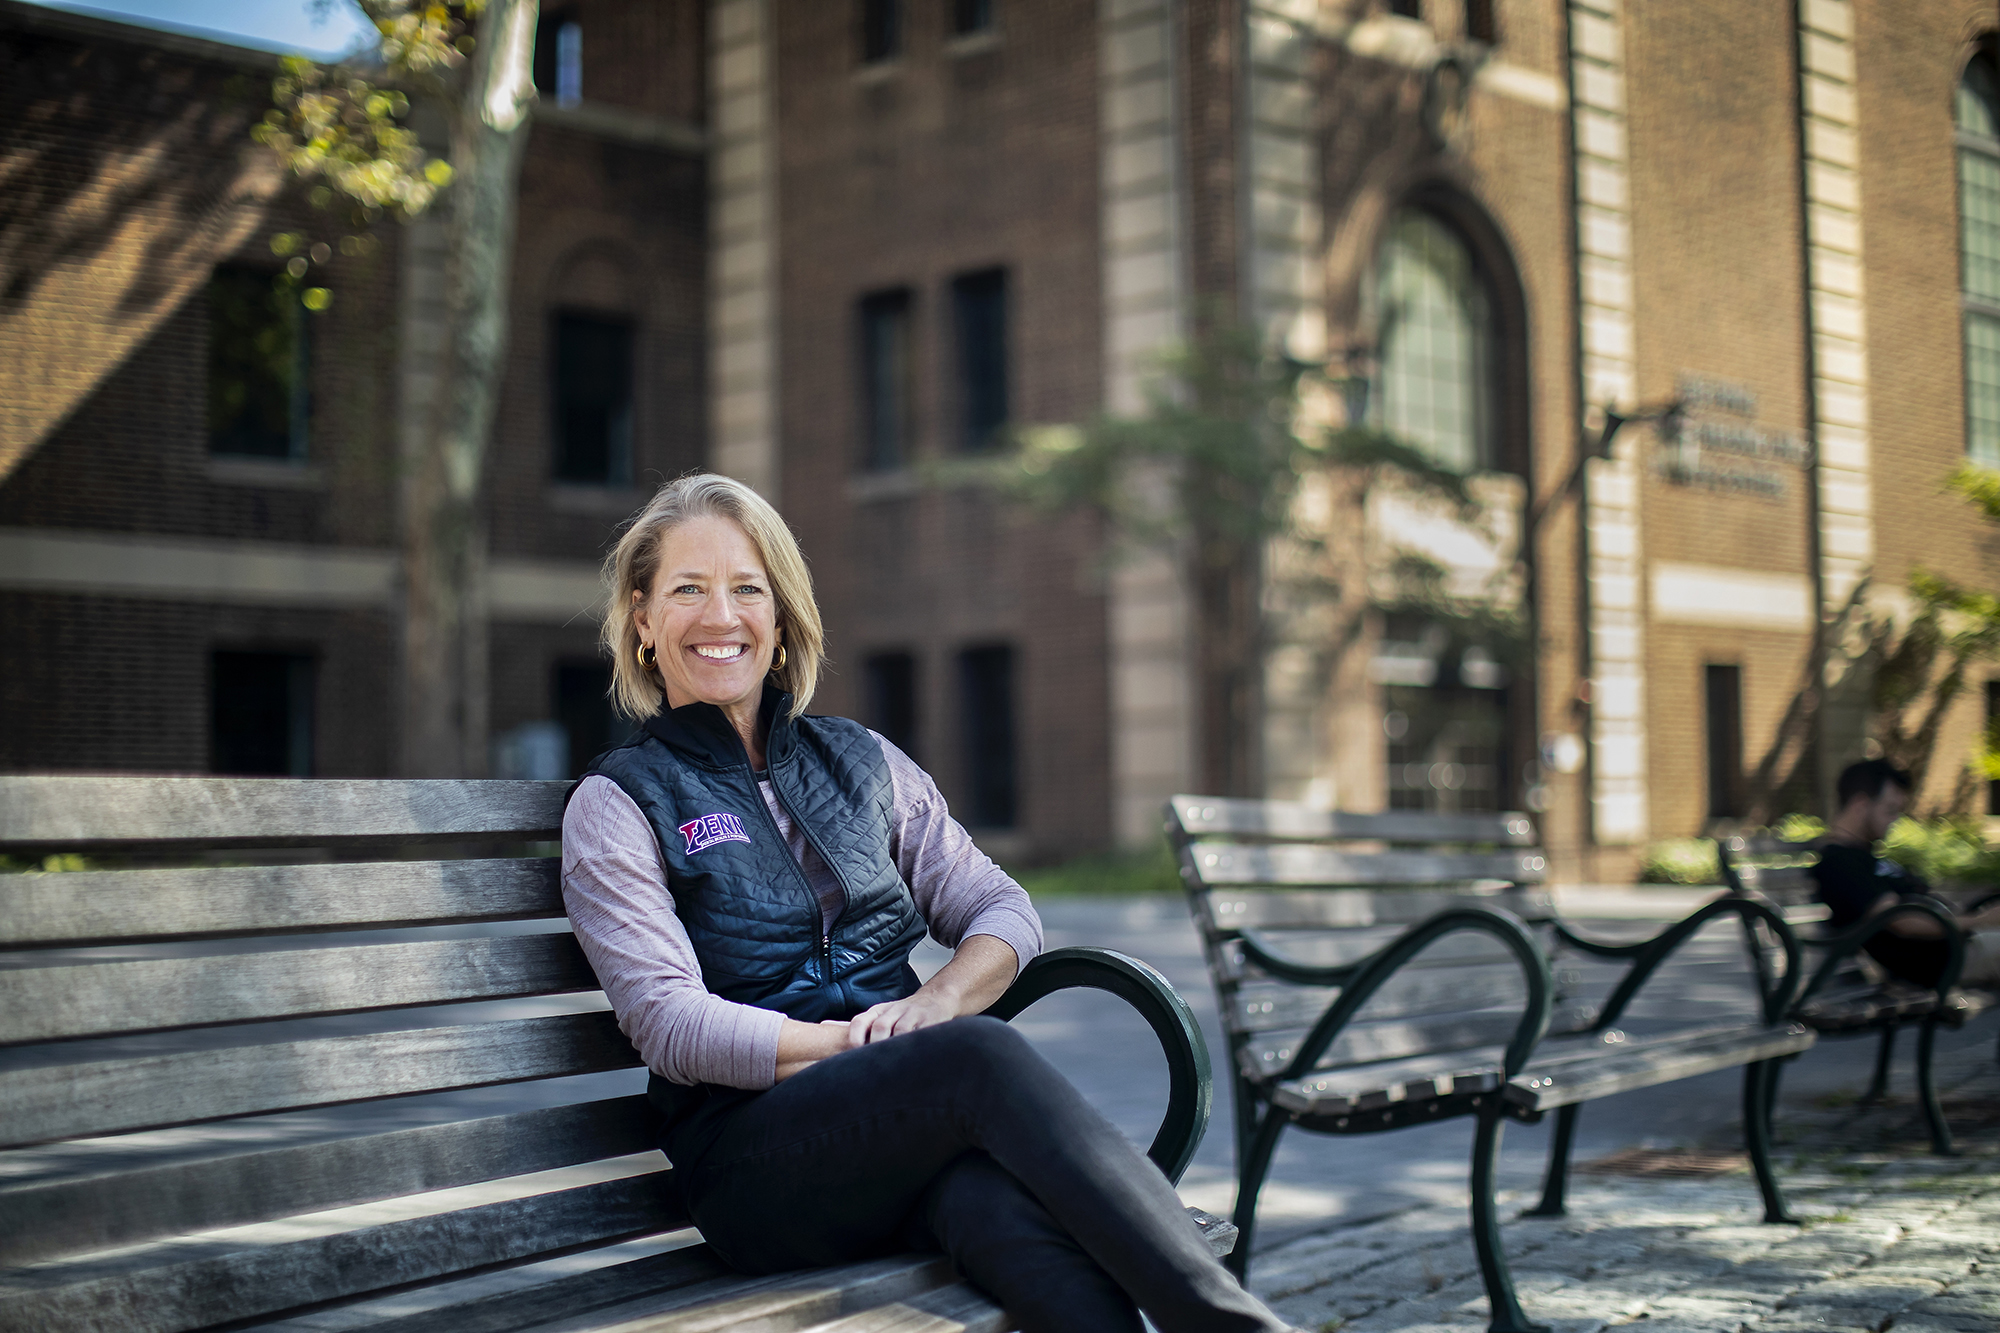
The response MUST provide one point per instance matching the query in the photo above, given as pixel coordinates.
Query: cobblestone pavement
(1892, 1237)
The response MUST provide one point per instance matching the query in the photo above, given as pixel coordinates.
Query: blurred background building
(820, 244)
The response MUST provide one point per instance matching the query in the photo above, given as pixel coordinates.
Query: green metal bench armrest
(1190, 1080)
(1299, 974)
(1844, 945)
(1647, 955)
(1371, 973)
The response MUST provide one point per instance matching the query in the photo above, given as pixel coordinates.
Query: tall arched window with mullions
(1977, 113)
(1434, 334)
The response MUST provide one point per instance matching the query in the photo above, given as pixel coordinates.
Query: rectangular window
(881, 30)
(593, 399)
(890, 680)
(261, 714)
(1409, 9)
(583, 707)
(887, 381)
(979, 307)
(1480, 24)
(258, 393)
(970, 16)
(558, 66)
(986, 697)
(1992, 735)
(1723, 692)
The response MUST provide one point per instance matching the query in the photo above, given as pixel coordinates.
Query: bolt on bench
(1375, 971)
(225, 1089)
(1847, 994)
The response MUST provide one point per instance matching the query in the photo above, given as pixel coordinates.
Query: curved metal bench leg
(1759, 1091)
(1878, 1087)
(1255, 1165)
(1506, 1308)
(1927, 1092)
(1556, 1184)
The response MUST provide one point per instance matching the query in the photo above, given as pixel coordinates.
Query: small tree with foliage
(345, 130)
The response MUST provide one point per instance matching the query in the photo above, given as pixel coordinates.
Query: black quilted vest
(753, 919)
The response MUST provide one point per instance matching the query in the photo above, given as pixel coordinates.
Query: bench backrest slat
(103, 906)
(1232, 909)
(101, 1211)
(1412, 992)
(1265, 1054)
(112, 1096)
(54, 1003)
(253, 1280)
(113, 813)
(1297, 863)
(1202, 816)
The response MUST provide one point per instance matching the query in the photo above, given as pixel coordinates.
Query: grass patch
(1111, 872)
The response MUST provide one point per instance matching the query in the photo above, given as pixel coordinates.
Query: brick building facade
(842, 242)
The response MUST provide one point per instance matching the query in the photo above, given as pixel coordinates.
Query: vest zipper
(846, 894)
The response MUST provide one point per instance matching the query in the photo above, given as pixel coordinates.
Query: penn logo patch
(710, 829)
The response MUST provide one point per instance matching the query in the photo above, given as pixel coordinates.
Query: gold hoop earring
(778, 662)
(649, 656)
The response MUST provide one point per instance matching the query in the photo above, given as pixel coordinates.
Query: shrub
(1680, 861)
(1143, 872)
(1949, 849)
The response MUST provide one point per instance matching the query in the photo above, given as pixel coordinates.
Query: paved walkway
(1892, 1237)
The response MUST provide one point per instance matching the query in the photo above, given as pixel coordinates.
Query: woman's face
(711, 617)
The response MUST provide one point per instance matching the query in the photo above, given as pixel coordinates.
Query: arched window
(1977, 112)
(1434, 326)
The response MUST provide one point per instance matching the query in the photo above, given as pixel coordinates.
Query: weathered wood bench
(250, 1095)
(1844, 992)
(1376, 971)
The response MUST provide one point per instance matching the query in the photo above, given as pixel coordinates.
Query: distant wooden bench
(165, 1027)
(1844, 992)
(1376, 971)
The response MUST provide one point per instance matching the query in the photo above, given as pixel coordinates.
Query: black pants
(962, 1138)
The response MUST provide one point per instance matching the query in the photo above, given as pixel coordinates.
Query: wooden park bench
(1376, 971)
(1844, 992)
(251, 1094)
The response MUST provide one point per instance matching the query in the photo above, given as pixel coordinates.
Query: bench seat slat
(103, 906)
(955, 1309)
(786, 1303)
(114, 1096)
(562, 1300)
(1563, 1073)
(246, 1282)
(132, 1206)
(1322, 909)
(113, 813)
(1374, 1087)
(1228, 863)
(52, 1003)
(1208, 816)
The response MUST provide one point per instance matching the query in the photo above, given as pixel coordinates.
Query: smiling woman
(748, 881)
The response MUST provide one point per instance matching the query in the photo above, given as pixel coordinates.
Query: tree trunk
(444, 534)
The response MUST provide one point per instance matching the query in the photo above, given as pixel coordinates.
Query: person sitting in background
(1854, 881)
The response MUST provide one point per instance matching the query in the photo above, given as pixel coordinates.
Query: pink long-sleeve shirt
(616, 892)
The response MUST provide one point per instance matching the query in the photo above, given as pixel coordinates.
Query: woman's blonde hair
(635, 561)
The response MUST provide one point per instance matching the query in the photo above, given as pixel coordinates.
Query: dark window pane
(986, 693)
(890, 680)
(970, 16)
(979, 302)
(881, 30)
(257, 359)
(1409, 9)
(886, 380)
(1480, 24)
(1993, 734)
(593, 400)
(1723, 693)
(583, 707)
(261, 714)
(1432, 386)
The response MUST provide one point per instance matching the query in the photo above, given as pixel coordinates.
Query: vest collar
(702, 733)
